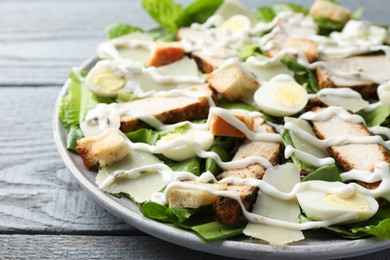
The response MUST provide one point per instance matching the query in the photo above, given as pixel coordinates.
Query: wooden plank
(93, 247)
(37, 193)
(112, 247)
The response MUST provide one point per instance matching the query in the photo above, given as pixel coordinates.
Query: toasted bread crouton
(233, 82)
(269, 150)
(220, 127)
(228, 211)
(376, 67)
(165, 53)
(328, 10)
(308, 47)
(350, 156)
(191, 198)
(103, 149)
(206, 63)
(168, 109)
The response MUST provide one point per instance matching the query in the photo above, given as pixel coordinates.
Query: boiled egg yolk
(281, 96)
(178, 151)
(321, 200)
(107, 79)
(235, 24)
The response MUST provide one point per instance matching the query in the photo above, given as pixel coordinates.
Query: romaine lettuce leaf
(302, 75)
(77, 102)
(378, 116)
(74, 134)
(213, 231)
(165, 12)
(120, 29)
(197, 12)
(267, 14)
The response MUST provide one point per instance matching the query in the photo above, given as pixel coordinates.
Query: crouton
(228, 211)
(233, 82)
(206, 63)
(308, 47)
(165, 53)
(187, 198)
(376, 67)
(328, 10)
(103, 149)
(220, 127)
(269, 150)
(167, 109)
(350, 156)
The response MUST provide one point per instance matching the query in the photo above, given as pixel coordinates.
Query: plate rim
(231, 248)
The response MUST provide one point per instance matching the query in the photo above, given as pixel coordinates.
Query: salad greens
(74, 107)
(267, 13)
(171, 15)
(120, 29)
(202, 221)
(188, 219)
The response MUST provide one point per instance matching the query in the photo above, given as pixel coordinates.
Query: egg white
(281, 96)
(313, 202)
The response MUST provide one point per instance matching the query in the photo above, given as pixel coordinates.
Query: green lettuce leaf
(325, 173)
(144, 135)
(378, 116)
(74, 134)
(164, 12)
(120, 29)
(327, 26)
(302, 75)
(216, 231)
(197, 12)
(267, 14)
(357, 15)
(190, 165)
(247, 50)
(378, 225)
(303, 167)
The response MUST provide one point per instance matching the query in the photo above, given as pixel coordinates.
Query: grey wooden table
(44, 213)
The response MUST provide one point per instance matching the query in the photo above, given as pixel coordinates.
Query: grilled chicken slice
(169, 110)
(269, 150)
(220, 127)
(288, 33)
(350, 156)
(206, 63)
(165, 53)
(376, 67)
(228, 211)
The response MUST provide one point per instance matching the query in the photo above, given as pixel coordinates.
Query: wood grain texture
(93, 247)
(37, 192)
(44, 214)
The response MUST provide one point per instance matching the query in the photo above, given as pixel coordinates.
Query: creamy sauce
(222, 45)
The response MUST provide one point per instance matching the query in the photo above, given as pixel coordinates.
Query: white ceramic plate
(317, 245)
